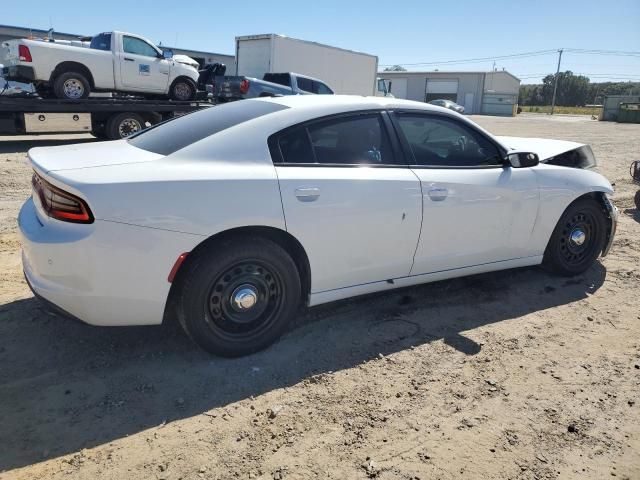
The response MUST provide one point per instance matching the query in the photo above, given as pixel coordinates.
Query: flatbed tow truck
(105, 118)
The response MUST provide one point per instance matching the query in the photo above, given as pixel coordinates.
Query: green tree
(395, 68)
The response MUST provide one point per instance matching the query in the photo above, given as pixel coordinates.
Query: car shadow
(21, 145)
(66, 386)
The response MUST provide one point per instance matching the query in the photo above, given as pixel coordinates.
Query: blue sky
(396, 31)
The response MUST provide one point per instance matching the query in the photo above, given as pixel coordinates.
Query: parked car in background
(228, 88)
(234, 216)
(114, 61)
(448, 104)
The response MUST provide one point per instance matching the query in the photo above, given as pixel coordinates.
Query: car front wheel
(239, 297)
(578, 239)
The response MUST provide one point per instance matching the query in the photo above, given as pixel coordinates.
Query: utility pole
(555, 83)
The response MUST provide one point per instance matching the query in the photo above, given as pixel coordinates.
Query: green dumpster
(629, 113)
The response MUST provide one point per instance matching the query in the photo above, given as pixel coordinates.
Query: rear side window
(172, 136)
(101, 42)
(353, 140)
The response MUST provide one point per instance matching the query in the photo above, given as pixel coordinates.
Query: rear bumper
(19, 73)
(105, 273)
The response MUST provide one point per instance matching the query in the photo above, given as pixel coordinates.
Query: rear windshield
(101, 42)
(172, 136)
(279, 78)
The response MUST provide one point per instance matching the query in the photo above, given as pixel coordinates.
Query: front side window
(442, 142)
(137, 46)
(356, 140)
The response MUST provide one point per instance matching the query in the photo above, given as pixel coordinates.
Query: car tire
(183, 90)
(71, 86)
(578, 238)
(239, 297)
(123, 125)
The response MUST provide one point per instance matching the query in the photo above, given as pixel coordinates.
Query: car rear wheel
(578, 239)
(239, 297)
(71, 86)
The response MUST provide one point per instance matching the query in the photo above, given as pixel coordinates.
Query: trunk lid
(88, 155)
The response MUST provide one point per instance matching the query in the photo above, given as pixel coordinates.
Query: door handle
(129, 59)
(307, 194)
(438, 194)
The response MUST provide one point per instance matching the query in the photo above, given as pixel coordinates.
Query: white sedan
(233, 217)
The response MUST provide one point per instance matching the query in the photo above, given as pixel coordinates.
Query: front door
(475, 210)
(141, 68)
(355, 210)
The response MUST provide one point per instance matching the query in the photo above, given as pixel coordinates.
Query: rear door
(356, 211)
(141, 67)
(476, 210)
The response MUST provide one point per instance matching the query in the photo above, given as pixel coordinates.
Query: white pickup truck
(114, 61)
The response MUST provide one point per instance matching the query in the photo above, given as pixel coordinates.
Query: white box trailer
(345, 71)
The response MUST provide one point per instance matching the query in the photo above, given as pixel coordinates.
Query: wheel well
(72, 67)
(601, 199)
(287, 241)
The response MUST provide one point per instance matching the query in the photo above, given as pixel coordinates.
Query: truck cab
(112, 61)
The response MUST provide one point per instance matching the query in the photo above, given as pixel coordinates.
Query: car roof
(342, 103)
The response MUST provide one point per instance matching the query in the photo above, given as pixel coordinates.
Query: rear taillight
(59, 204)
(24, 53)
(244, 86)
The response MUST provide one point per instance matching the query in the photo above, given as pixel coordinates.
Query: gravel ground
(515, 374)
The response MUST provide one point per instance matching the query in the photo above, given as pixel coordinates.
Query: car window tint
(172, 136)
(295, 147)
(437, 141)
(138, 47)
(101, 42)
(321, 89)
(357, 140)
(305, 84)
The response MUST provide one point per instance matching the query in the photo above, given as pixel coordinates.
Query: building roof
(444, 72)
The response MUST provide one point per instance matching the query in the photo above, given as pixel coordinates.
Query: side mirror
(522, 159)
(167, 54)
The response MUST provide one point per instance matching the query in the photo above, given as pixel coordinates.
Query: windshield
(172, 136)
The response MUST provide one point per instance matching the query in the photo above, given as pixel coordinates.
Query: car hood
(186, 60)
(544, 147)
(88, 155)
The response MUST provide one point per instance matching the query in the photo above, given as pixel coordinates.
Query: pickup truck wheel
(71, 86)
(124, 124)
(578, 239)
(240, 296)
(183, 89)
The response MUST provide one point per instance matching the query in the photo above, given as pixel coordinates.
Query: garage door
(441, 89)
(498, 104)
(398, 87)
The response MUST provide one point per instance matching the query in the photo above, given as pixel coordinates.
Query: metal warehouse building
(488, 93)
(7, 32)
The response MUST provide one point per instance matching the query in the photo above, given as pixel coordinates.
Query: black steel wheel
(239, 297)
(578, 239)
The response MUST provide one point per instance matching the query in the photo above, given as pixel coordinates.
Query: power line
(471, 60)
(520, 55)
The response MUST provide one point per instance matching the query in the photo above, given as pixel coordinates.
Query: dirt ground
(516, 374)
